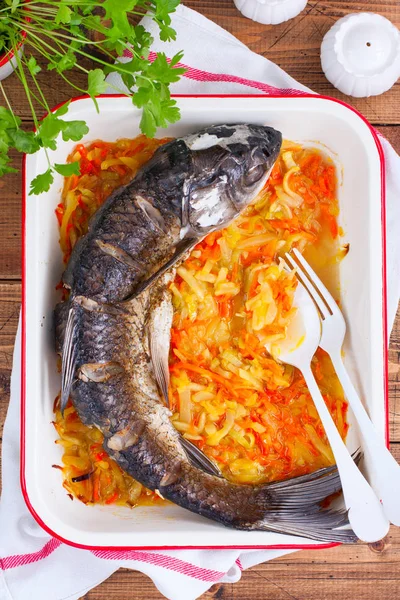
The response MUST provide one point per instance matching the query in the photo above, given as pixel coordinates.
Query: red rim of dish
(23, 331)
(5, 58)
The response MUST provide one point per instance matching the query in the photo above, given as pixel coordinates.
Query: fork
(387, 471)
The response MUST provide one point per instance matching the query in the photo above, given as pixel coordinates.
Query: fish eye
(253, 175)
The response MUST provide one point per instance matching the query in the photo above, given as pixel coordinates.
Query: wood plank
(10, 222)
(394, 380)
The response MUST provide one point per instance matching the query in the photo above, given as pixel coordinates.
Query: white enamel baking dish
(357, 153)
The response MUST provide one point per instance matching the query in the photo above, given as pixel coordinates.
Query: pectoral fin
(159, 334)
(68, 359)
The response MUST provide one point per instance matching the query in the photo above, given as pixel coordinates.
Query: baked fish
(113, 332)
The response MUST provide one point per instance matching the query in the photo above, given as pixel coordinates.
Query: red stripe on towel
(162, 560)
(19, 560)
(239, 564)
(158, 560)
(200, 75)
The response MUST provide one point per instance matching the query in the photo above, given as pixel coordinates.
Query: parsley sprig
(61, 35)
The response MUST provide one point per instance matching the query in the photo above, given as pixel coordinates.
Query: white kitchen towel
(34, 566)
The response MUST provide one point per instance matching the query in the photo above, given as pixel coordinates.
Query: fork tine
(302, 276)
(321, 288)
(285, 265)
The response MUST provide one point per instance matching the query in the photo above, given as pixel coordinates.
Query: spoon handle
(365, 511)
(386, 469)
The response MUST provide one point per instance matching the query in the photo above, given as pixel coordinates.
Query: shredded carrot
(225, 309)
(205, 372)
(276, 174)
(112, 498)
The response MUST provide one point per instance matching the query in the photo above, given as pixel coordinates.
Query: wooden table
(361, 572)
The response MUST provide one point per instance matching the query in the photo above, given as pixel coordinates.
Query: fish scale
(119, 300)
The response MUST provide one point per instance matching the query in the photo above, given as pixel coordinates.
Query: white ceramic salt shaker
(270, 12)
(360, 55)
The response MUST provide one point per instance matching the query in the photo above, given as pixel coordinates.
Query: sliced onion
(287, 196)
(215, 438)
(185, 405)
(287, 158)
(286, 186)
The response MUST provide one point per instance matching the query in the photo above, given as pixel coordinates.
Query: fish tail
(294, 507)
(312, 522)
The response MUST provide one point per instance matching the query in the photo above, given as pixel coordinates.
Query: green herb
(63, 34)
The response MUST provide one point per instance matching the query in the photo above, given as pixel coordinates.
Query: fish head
(231, 165)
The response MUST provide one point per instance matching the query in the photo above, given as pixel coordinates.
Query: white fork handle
(385, 467)
(365, 511)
